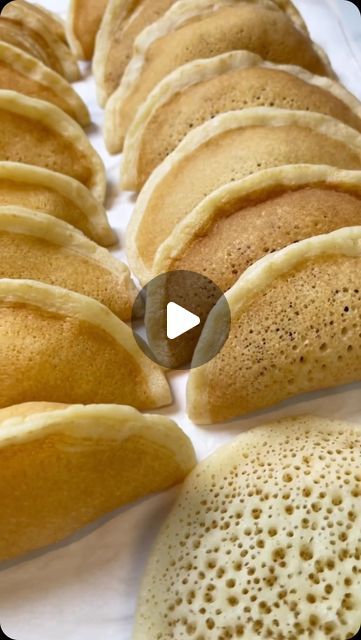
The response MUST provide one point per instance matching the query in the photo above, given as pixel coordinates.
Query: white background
(86, 588)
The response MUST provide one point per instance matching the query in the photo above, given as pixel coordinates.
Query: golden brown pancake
(25, 74)
(57, 195)
(243, 221)
(69, 465)
(42, 28)
(263, 541)
(60, 346)
(35, 246)
(264, 30)
(199, 91)
(36, 132)
(84, 20)
(228, 148)
(305, 303)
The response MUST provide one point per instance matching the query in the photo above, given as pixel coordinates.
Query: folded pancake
(35, 246)
(305, 303)
(60, 346)
(243, 221)
(202, 89)
(57, 195)
(232, 146)
(39, 133)
(260, 28)
(25, 74)
(123, 21)
(263, 541)
(84, 20)
(78, 463)
(43, 30)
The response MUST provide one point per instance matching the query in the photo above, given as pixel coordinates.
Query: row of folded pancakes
(69, 364)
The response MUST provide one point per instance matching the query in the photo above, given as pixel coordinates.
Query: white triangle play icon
(179, 320)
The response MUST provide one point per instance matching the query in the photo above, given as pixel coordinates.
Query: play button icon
(170, 314)
(179, 320)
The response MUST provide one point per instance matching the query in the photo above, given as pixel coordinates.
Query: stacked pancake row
(73, 443)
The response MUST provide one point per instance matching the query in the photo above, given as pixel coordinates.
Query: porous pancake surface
(271, 34)
(236, 237)
(231, 155)
(264, 541)
(300, 334)
(255, 86)
(25, 38)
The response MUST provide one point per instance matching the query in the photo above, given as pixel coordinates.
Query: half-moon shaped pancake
(60, 346)
(35, 246)
(243, 221)
(44, 30)
(78, 463)
(84, 20)
(305, 302)
(25, 74)
(57, 195)
(263, 530)
(232, 146)
(123, 21)
(264, 30)
(39, 133)
(199, 91)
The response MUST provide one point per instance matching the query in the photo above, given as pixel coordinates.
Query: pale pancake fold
(263, 542)
(78, 463)
(35, 246)
(202, 89)
(44, 30)
(241, 222)
(25, 74)
(304, 302)
(260, 28)
(232, 146)
(39, 133)
(57, 195)
(84, 19)
(60, 346)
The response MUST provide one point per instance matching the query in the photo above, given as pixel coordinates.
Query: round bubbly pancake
(69, 465)
(35, 246)
(39, 133)
(295, 329)
(243, 221)
(123, 21)
(25, 74)
(261, 29)
(84, 20)
(57, 195)
(263, 541)
(44, 30)
(232, 146)
(202, 89)
(60, 346)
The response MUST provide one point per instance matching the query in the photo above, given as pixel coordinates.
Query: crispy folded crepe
(232, 146)
(243, 221)
(202, 89)
(57, 195)
(84, 20)
(62, 467)
(60, 346)
(305, 303)
(41, 29)
(262, 29)
(35, 246)
(25, 74)
(263, 541)
(123, 21)
(39, 133)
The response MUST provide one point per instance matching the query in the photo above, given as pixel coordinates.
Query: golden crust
(84, 20)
